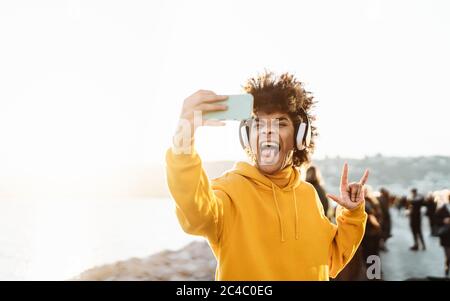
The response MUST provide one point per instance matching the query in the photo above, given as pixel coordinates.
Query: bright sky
(98, 85)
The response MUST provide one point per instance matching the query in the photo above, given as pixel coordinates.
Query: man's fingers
(361, 183)
(354, 191)
(213, 122)
(335, 198)
(212, 98)
(362, 193)
(364, 177)
(344, 179)
(359, 202)
(209, 107)
(358, 193)
(205, 97)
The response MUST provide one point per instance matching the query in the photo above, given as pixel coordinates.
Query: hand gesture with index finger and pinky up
(351, 195)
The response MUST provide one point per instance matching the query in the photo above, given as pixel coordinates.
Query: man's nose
(270, 128)
(267, 131)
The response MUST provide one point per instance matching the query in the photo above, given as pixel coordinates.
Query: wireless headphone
(302, 140)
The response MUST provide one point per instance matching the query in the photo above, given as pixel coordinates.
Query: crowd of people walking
(435, 206)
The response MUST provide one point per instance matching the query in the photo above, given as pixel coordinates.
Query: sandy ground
(193, 262)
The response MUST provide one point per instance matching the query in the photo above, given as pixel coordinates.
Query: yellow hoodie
(260, 227)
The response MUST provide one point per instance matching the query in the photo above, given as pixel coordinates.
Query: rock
(193, 262)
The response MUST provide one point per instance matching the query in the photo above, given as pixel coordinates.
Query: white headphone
(302, 140)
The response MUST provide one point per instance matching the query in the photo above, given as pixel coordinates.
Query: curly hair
(284, 94)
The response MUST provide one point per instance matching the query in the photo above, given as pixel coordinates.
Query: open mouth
(269, 150)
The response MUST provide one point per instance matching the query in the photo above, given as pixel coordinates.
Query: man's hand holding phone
(191, 117)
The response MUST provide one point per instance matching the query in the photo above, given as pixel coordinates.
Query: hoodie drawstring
(279, 213)
(296, 214)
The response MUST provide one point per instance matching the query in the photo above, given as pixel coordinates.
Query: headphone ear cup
(243, 135)
(308, 135)
(300, 136)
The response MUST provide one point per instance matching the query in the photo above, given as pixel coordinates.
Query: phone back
(240, 107)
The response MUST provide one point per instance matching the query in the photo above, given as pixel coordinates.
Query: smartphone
(240, 107)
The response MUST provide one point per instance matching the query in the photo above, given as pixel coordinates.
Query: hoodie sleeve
(199, 208)
(348, 235)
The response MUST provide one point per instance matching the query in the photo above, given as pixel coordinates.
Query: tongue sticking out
(269, 153)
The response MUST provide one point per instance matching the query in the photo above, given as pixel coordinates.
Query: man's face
(271, 140)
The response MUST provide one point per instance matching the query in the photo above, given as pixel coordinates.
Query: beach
(58, 239)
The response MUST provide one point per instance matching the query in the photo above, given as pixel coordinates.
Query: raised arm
(351, 221)
(199, 208)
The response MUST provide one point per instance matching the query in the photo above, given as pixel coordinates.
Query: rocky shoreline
(193, 262)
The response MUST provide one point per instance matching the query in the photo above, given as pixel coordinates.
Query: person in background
(374, 230)
(415, 220)
(315, 179)
(355, 270)
(402, 204)
(370, 245)
(384, 201)
(442, 218)
(398, 206)
(431, 205)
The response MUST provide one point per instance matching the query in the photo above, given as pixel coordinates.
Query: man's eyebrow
(282, 118)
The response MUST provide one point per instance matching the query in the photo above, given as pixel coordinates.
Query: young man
(261, 220)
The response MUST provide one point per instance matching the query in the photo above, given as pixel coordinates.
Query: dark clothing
(372, 235)
(356, 269)
(444, 233)
(386, 217)
(441, 214)
(431, 212)
(415, 219)
(447, 260)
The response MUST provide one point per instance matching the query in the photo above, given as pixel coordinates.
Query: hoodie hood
(285, 180)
